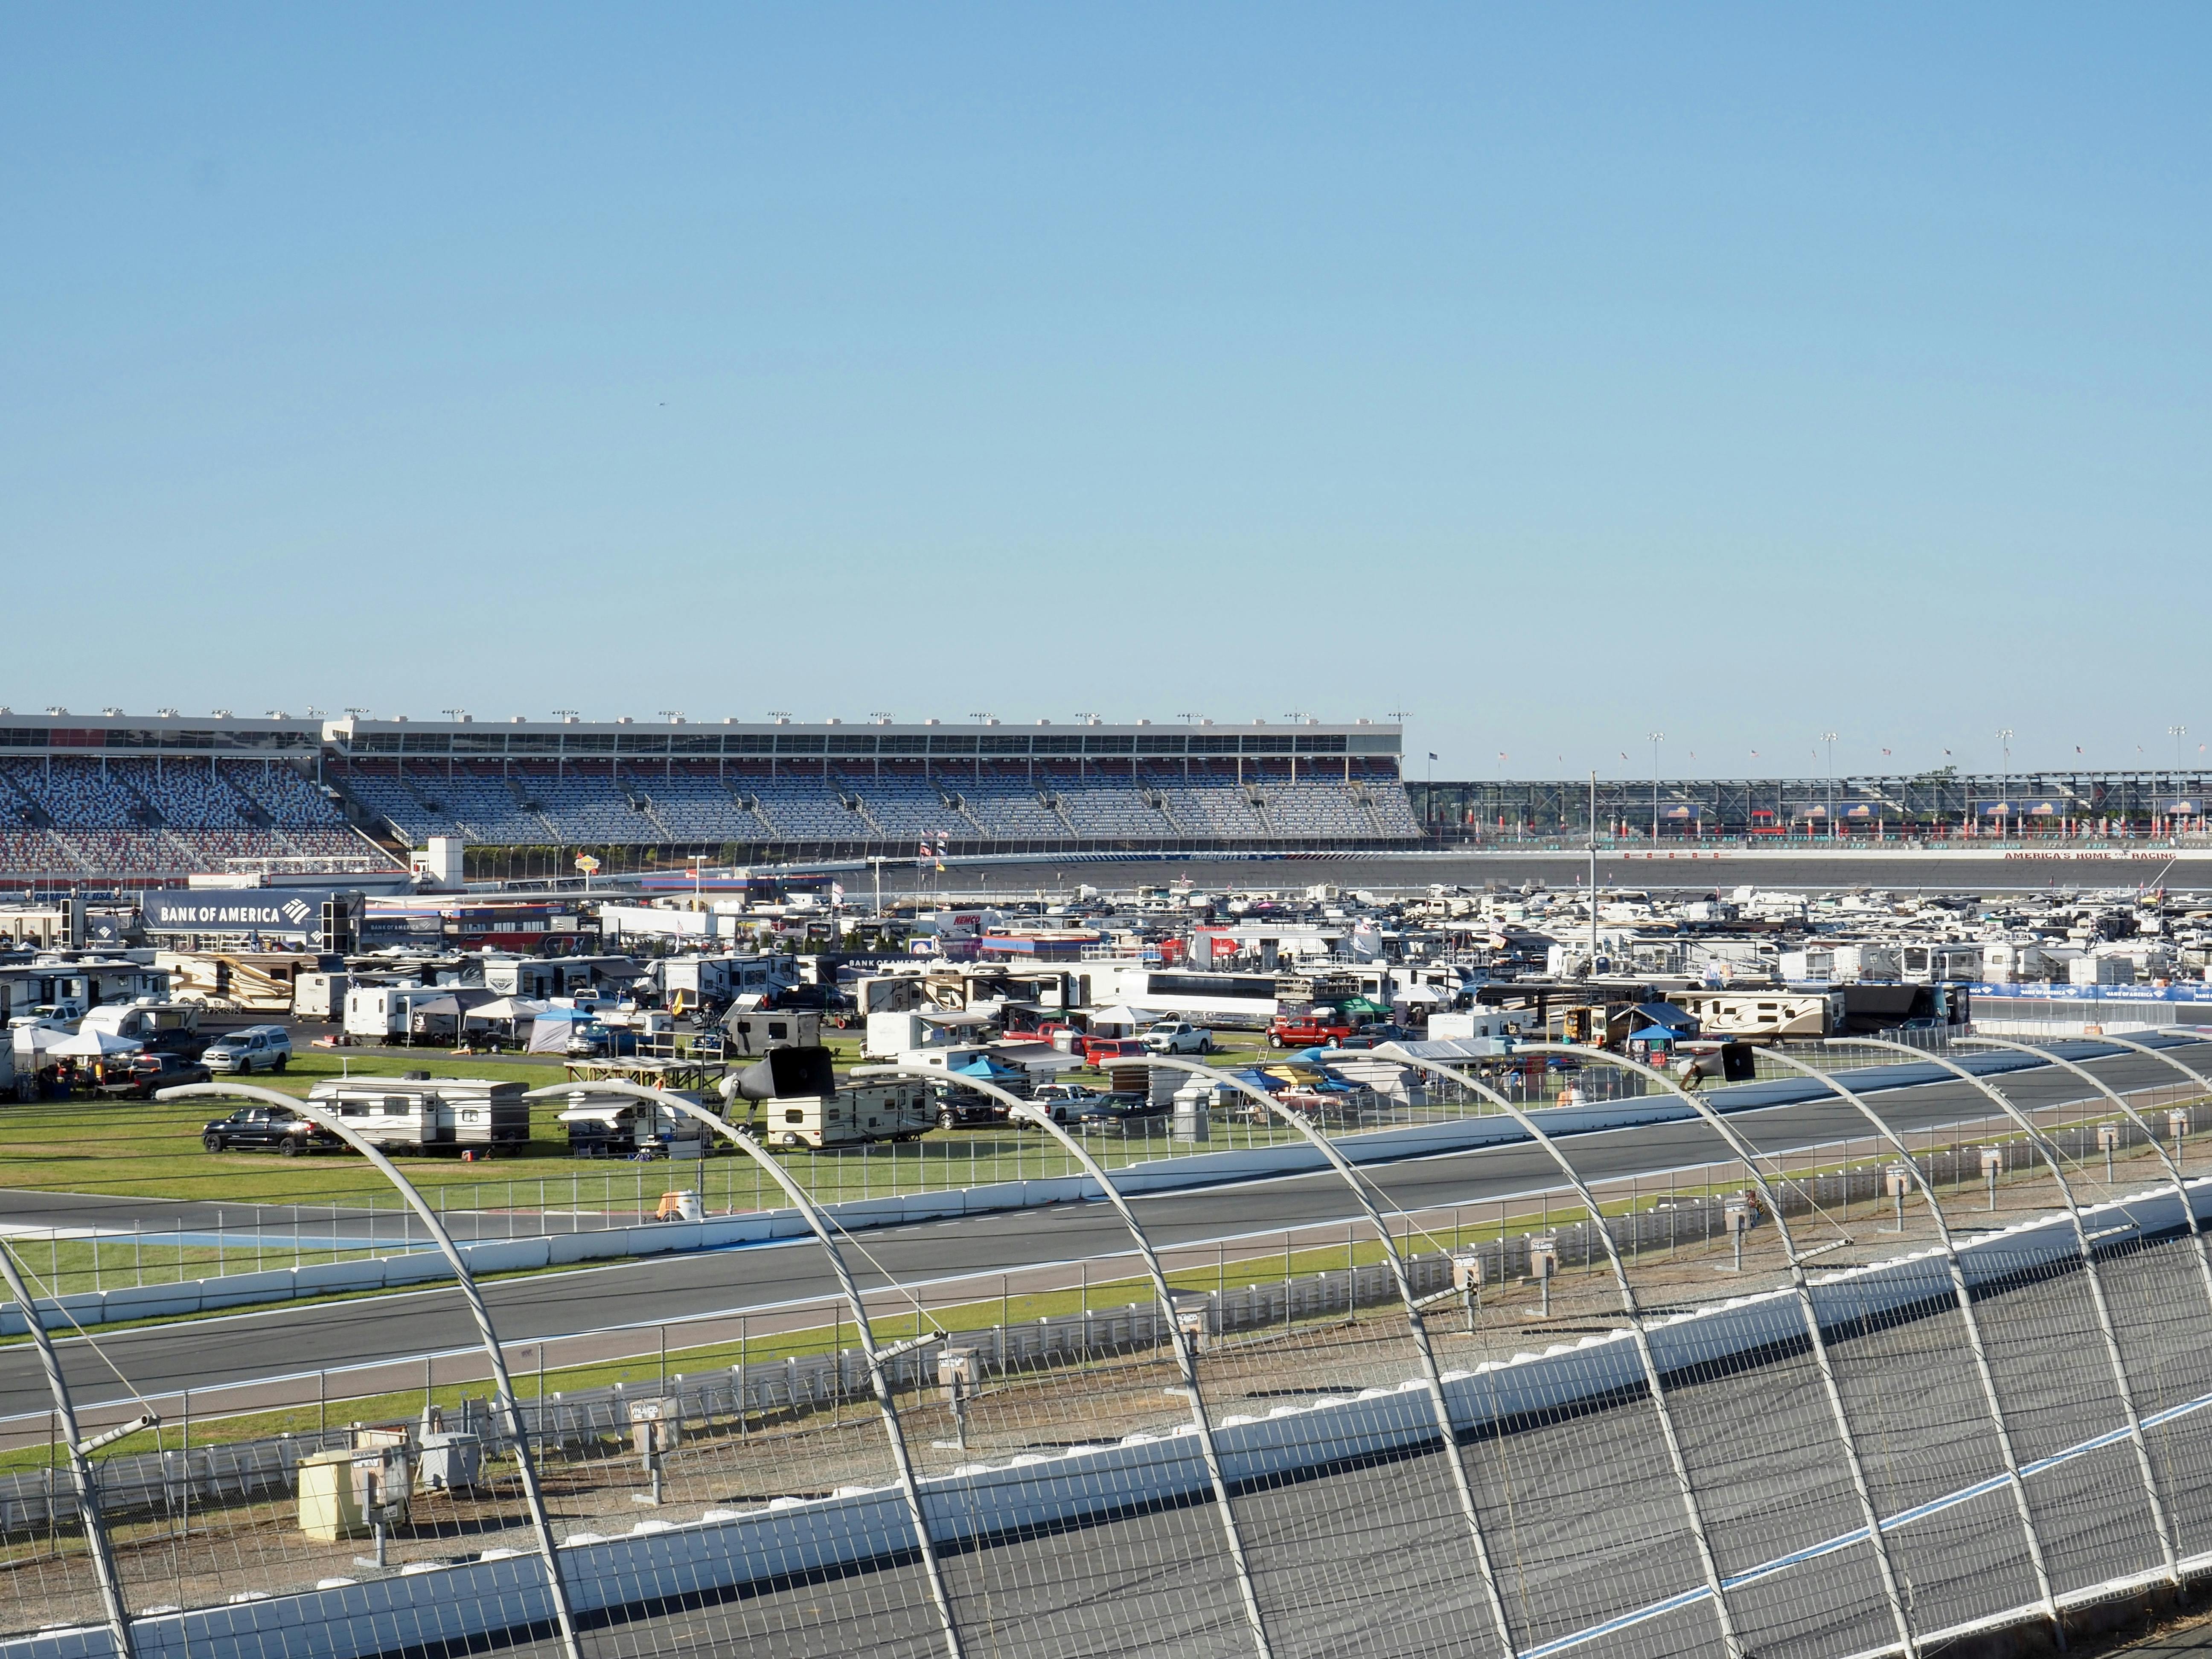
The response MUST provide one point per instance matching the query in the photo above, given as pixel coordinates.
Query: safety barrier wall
(726, 1550)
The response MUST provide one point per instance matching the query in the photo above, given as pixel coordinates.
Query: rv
(756, 1033)
(1763, 1013)
(418, 1114)
(854, 1114)
(379, 1013)
(320, 996)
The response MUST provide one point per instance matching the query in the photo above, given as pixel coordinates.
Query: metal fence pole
(1964, 1296)
(879, 1377)
(2121, 1385)
(88, 1488)
(540, 1521)
(1692, 1511)
(1846, 1436)
(2203, 1253)
(1363, 1193)
(1186, 1354)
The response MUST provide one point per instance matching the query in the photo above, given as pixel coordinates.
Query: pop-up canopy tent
(549, 1031)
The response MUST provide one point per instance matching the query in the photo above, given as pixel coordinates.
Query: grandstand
(125, 798)
(756, 791)
(117, 799)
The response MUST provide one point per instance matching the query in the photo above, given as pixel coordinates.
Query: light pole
(2004, 782)
(1658, 737)
(2177, 733)
(1593, 876)
(1829, 739)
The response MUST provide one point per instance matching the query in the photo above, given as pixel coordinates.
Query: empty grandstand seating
(901, 804)
(137, 815)
(133, 817)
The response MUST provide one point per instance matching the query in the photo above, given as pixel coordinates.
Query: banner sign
(240, 910)
(2037, 991)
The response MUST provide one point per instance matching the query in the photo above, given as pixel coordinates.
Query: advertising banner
(290, 910)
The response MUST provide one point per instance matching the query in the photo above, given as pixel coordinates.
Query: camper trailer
(850, 1116)
(320, 996)
(1794, 1013)
(419, 1114)
(754, 1032)
(380, 1013)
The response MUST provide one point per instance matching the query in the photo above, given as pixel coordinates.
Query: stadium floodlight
(313, 713)
(673, 716)
(219, 713)
(981, 719)
(880, 716)
(111, 713)
(56, 708)
(1188, 718)
(455, 714)
(167, 714)
(359, 713)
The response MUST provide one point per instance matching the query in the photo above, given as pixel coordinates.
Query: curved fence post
(2163, 1054)
(535, 1496)
(1186, 1357)
(2051, 1159)
(1439, 1406)
(879, 1378)
(2173, 1172)
(1692, 1511)
(1846, 1436)
(87, 1489)
(1964, 1295)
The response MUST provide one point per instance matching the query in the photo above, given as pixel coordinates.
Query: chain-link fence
(1857, 1397)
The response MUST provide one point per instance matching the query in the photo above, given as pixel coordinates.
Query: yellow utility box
(347, 1490)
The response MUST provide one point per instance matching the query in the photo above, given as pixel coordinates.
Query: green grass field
(151, 1148)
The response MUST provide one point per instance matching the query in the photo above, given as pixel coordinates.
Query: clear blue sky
(1556, 374)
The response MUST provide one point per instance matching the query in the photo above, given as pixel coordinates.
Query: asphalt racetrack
(287, 1340)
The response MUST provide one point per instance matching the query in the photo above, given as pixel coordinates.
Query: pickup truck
(1103, 1051)
(1317, 1028)
(1178, 1037)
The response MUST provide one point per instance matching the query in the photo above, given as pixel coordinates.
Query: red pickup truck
(1317, 1028)
(1097, 1051)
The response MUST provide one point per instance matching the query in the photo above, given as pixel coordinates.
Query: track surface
(283, 1340)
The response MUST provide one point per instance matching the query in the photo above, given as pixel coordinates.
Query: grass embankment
(151, 1148)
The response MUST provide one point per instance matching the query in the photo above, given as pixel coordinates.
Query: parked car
(1118, 1114)
(1067, 1101)
(1375, 1035)
(267, 1128)
(151, 1073)
(1178, 1037)
(256, 1048)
